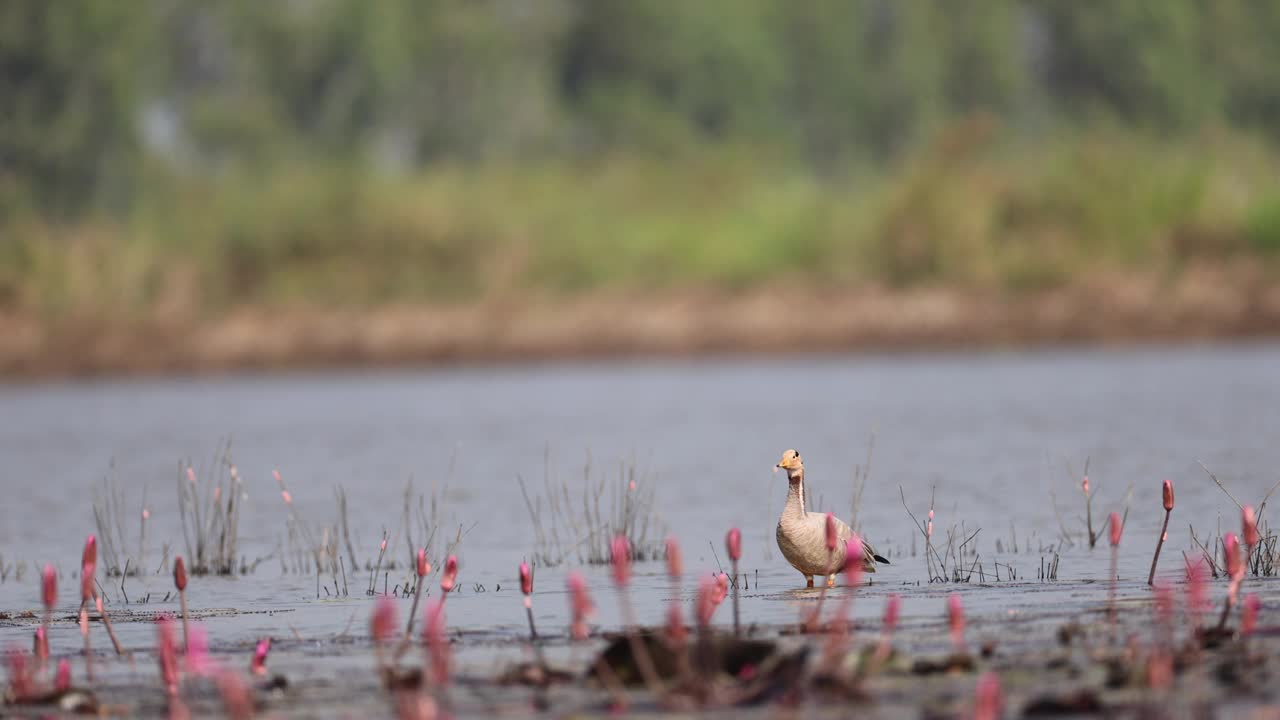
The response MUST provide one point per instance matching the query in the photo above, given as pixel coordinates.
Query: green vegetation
(178, 158)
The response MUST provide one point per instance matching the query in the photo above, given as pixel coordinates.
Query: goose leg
(808, 580)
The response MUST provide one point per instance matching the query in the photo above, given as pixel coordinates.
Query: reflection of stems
(1164, 529)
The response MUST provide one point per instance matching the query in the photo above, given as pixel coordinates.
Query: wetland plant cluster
(823, 658)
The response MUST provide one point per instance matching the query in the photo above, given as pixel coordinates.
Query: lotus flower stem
(87, 571)
(955, 621)
(381, 626)
(422, 568)
(989, 701)
(373, 574)
(49, 597)
(106, 622)
(1115, 530)
(180, 582)
(1167, 493)
(1248, 533)
(62, 678)
(1235, 575)
(892, 609)
(733, 543)
(620, 552)
(526, 588)
(853, 577)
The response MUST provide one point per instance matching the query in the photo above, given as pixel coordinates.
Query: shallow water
(995, 434)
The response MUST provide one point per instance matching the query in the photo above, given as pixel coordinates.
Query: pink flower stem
(1111, 593)
(641, 654)
(533, 633)
(413, 613)
(106, 622)
(737, 631)
(1164, 530)
(186, 636)
(84, 630)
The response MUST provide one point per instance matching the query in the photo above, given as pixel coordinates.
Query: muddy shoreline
(1208, 304)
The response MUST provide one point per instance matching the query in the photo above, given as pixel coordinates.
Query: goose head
(792, 464)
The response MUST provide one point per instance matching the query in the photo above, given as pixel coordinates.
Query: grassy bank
(974, 213)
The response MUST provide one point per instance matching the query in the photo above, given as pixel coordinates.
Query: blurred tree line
(95, 92)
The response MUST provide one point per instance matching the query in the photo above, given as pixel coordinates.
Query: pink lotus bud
(179, 573)
(146, 514)
(526, 579)
(989, 702)
(237, 701)
(449, 578)
(1249, 614)
(258, 666)
(1249, 525)
(721, 589)
(1116, 528)
(676, 631)
(383, 624)
(580, 605)
(733, 543)
(49, 587)
(424, 567)
(675, 561)
(621, 556)
(1231, 549)
(382, 547)
(706, 603)
(853, 559)
(892, 608)
(1084, 485)
(90, 554)
(279, 480)
(831, 533)
(167, 655)
(191, 475)
(1167, 491)
(288, 499)
(62, 681)
(955, 619)
(40, 645)
(928, 528)
(437, 644)
(86, 582)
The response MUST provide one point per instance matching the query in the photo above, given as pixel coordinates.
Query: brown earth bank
(1105, 308)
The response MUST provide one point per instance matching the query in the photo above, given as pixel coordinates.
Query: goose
(802, 535)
